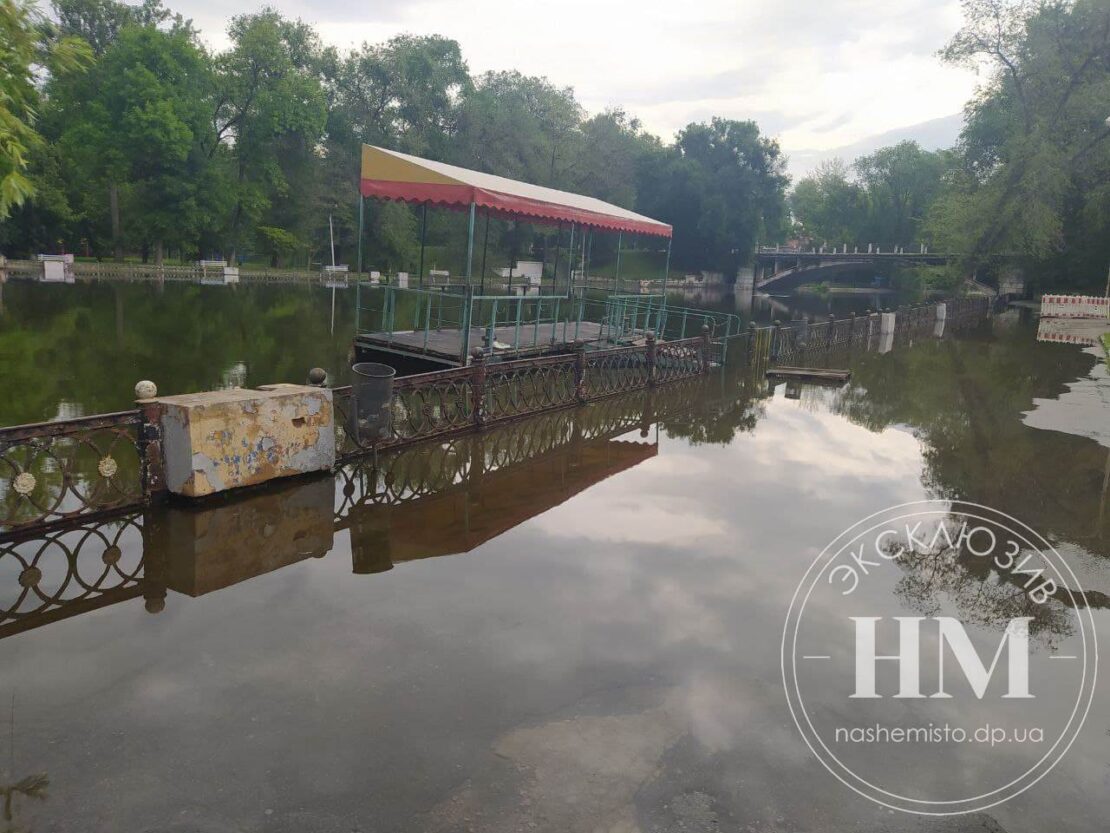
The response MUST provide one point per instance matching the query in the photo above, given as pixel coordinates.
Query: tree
(270, 111)
(140, 119)
(99, 22)
(1035, 161)
(900, 182)
(722, 186)
(521, 127)
(828, 206)
(29, 46)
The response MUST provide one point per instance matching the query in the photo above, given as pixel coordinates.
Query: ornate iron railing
(528, 386)
(431, 405)
(57, 471)
(64, 572)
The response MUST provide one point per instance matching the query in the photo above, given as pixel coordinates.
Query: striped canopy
(390, 175)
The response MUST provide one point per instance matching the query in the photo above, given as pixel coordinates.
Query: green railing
(507, 324)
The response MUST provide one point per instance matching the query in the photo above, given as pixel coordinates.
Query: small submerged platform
(810, 374)
(449, 346)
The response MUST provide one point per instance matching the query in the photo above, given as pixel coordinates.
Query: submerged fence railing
(69, 471)
(430, 405)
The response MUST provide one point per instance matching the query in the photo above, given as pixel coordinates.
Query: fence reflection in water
(395, 506)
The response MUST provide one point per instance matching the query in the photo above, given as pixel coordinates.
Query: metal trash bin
(371, 393)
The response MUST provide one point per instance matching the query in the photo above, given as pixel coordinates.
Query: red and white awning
(390, 175)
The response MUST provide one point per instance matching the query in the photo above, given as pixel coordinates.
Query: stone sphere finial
(317, 377)
(145, 389)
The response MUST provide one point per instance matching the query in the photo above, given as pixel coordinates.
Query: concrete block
(886, 324)
(226, 439)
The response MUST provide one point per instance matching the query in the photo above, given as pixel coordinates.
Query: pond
(70, 350)
(567, 623)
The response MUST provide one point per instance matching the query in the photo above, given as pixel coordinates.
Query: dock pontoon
(432, 320)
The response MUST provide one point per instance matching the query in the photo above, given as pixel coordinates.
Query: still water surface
(570, 623)
(68, 350)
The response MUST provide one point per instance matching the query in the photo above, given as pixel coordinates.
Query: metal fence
(57, 471)
(443, 402)
(177, 273)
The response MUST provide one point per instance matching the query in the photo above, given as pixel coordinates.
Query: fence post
(829, 335)
(580, 371)
(478, 386)
(705, 345)
(150, 448)
(650, 339)
(751, 342)
(773, 348)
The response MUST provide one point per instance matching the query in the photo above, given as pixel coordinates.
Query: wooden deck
(447, 344)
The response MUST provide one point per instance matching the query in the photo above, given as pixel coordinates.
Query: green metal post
(467, 301)
(617, 276)
(427, 320)
(558, 249)
(666, 272)
(470, 247)
(361, 206)
(570, 261)
(485, 248)
(358, 268)
(587, 255)
(519, 309)
(492, 331)
(423, 231)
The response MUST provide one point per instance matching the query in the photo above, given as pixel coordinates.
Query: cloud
(817, 75)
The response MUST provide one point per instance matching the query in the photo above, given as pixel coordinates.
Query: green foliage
(138, 117)
(278, 243)
(883, 198)
(722, 186)
(28, 47)
(828, 205)
(165, 148)
(1035, 160)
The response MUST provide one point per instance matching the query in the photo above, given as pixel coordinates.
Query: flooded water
(69, 350)
(567, 623)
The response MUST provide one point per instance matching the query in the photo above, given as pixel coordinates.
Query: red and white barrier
(1074, 306)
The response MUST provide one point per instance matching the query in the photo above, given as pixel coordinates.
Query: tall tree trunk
(159, 253)
(113, 207)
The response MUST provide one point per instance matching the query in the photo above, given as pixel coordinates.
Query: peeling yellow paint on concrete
(226, 439)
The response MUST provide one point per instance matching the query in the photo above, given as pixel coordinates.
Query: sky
(817, 74)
